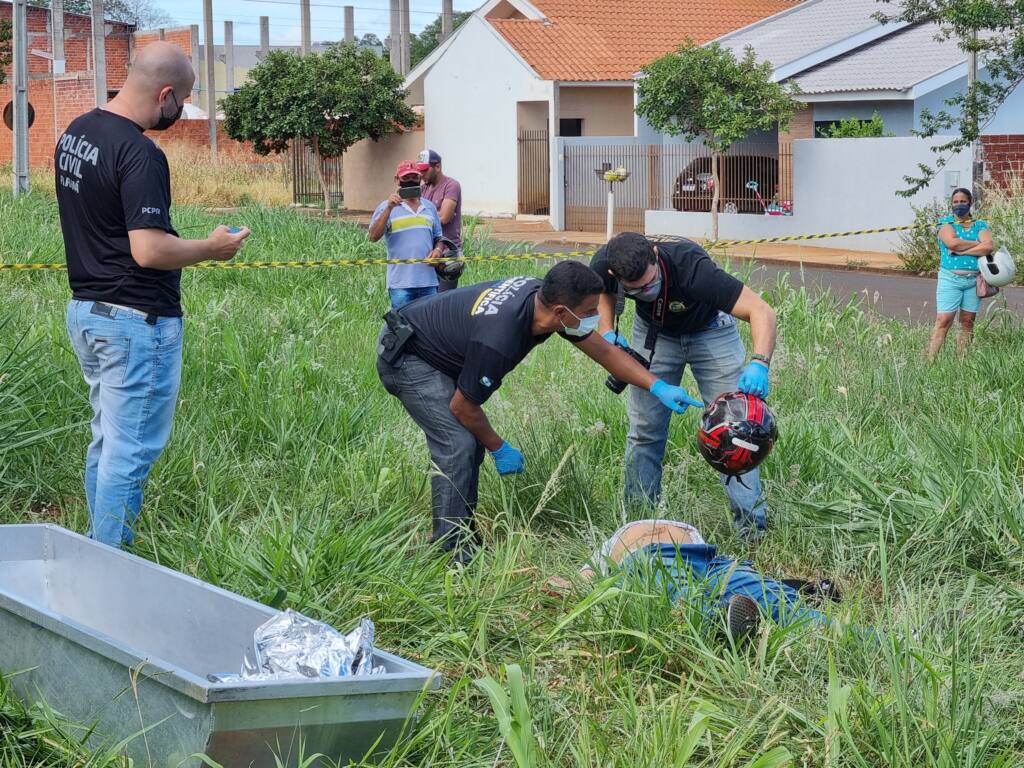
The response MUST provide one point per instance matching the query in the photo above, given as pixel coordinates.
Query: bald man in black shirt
(124, 266)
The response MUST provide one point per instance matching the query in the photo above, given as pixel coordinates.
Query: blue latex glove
(615, 338)
(754, 379)
(674, 398)
(508, 460)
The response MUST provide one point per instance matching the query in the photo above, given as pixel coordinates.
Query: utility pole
(395, 48)
(211, 82)
(264, 36)
(406, 37)
(447, 19)
(57, 34)
(229, 56)
(197, 66)
(972, 79)
(350, 24)
(20, 180)
(99, 52)
(306, 32)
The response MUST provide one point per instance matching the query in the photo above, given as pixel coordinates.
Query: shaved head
(160, 78)
(159, 66)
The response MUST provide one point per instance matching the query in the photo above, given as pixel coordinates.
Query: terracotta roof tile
(588, 40)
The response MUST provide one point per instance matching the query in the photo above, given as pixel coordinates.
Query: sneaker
(742, 617)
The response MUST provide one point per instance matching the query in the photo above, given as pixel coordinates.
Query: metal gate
(754, 176)
(305, 184)
(534, 173)
(586, 194)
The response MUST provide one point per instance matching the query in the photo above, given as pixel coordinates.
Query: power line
(339, 7)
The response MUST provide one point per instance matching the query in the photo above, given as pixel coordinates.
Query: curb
(767, 260)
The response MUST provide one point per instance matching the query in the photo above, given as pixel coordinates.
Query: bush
(1004, 211)
(918, 248)
(855, 128)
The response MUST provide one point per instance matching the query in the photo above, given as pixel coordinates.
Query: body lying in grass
(687, 567)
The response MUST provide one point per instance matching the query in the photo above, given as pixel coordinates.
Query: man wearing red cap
(412, 231)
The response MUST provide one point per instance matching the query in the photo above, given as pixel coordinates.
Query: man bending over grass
(686, 312)
(124, 265)
(443, 356)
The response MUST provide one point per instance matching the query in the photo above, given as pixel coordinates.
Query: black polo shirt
(477, 334)
(697, 288)
(112, 179)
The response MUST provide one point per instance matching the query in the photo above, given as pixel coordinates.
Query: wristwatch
(762, 359)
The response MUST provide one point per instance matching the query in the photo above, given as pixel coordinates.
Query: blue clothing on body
(410, 234)
(972, 232)
(695, 570)
(955, 292)
(133, 369)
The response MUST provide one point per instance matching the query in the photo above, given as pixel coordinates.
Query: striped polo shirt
(410, 234)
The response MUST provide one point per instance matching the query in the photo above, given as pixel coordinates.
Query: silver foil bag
(291, 645)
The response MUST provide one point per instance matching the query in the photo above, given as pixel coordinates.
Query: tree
(427, 40)
(854, 128)
(331, 100)
(370, 40)
(705, 92)
(5, 48)
(994, 29)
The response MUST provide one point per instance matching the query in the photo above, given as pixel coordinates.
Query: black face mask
(166, 122)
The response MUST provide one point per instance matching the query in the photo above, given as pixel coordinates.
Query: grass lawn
(294, 479)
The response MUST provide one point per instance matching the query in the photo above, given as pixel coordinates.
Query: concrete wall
(532, 115)
(898, 116)
(840, 184)
(369, 168)
(471, 116)
(605, 111)
(195, 134)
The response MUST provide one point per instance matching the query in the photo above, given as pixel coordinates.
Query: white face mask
(587, 324)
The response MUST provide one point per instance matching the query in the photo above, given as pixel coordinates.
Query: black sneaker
(742, 617)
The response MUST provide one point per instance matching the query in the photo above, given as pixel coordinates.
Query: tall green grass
(294, 479)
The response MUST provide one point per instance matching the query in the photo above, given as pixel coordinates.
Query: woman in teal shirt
(962, 240)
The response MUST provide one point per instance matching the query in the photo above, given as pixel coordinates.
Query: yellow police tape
(506, 257)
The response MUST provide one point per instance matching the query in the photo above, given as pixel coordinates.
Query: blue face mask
(649, 292)
(962, 210)
(587, 324)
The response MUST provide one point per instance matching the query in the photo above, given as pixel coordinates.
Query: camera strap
(660, 310)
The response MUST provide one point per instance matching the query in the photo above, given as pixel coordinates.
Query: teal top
(973, 232)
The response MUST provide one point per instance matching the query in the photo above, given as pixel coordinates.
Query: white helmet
(997, 268)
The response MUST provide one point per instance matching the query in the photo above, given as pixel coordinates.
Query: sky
(327, 19)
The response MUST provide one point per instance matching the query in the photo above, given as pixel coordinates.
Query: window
(570, 126)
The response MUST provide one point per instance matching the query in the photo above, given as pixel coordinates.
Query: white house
(519, 73)
(849, 65)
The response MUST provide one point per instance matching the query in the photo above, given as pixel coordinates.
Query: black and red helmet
(737, 432)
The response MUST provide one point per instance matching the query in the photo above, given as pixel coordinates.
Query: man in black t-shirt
(124, 265)
(443, 356)
(685, 310)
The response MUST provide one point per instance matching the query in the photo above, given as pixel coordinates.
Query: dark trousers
(455, 454)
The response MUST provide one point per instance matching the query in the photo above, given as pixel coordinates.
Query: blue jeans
(133, 370)
(455, 454)
(716, 357)
(402, 296)
(695, 572)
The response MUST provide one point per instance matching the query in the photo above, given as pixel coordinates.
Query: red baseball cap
(407, 168)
